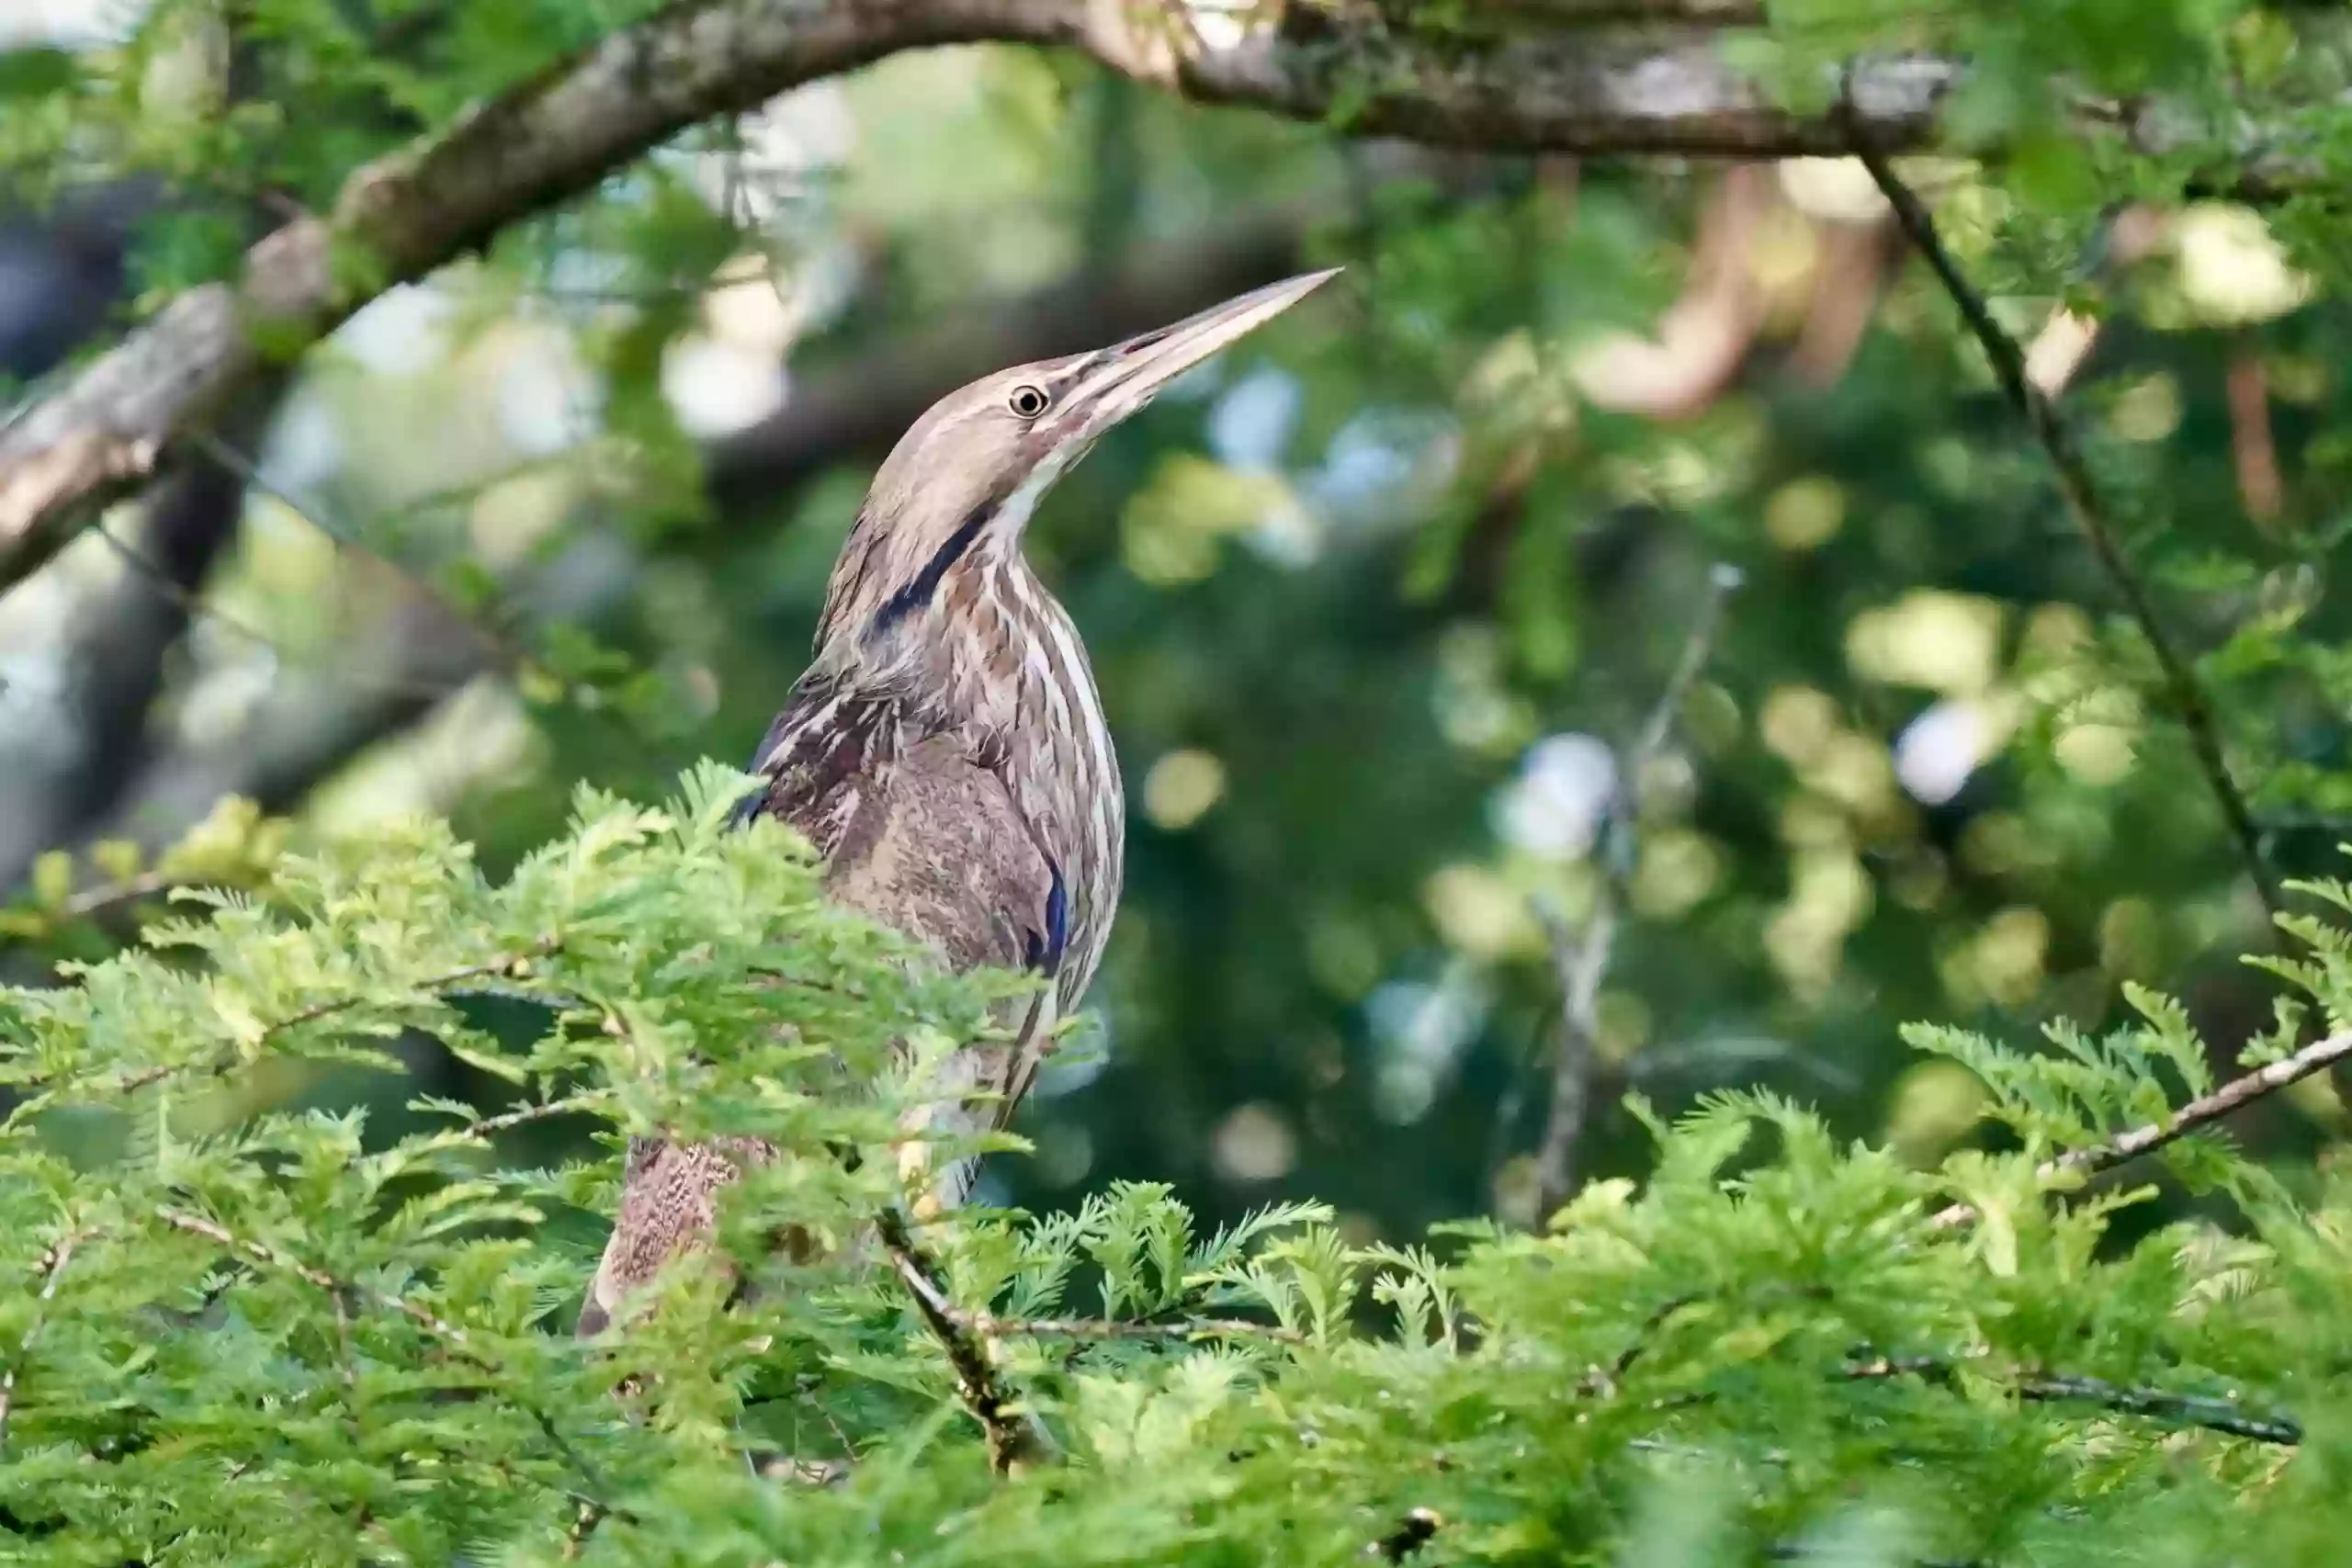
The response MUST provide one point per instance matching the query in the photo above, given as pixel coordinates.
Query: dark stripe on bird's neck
(917, 592)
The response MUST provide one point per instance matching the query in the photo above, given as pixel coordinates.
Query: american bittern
(946, 751)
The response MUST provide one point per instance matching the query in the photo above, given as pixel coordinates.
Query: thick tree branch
(1567, 87)
(314, 724)
(2182, 692)
(117, 643)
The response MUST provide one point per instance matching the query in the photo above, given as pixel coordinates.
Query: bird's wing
(823, 760)
(922, 833)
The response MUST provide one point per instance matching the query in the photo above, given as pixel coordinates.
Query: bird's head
(962, 483)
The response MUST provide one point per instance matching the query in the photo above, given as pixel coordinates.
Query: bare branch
(1683, 365)
(497, 647)
(106, 896)
(2254, 449)
(2182, 690)
(1015, 1440)
(116, 645)
(2195, 1116)
(1581, 957)
(315, 722)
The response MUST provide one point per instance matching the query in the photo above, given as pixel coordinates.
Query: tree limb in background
(120, 638)
(2254, 449)
(1581, 957)
(1849, 277)
(1704, 336)
(116, 645)
(2181, 689)
(836, 416)
(1571, 88)
(314, 724)
(63, 278)
(2067, 338)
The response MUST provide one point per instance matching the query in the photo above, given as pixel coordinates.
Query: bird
(946, 751)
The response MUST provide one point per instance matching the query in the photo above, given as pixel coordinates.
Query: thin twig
(105, 896)
(269, 1257)
(2182, 692)
(194, 605)
(511, 654)
(2185, 1409)
(53, 1270)
(489, 1126)
(1601, 1382)
(441, 1329)
(1012, 1440)
(991, 1327)
(2181, 1409)
(1581, 958)
(311, 1014)
(2200, 1112)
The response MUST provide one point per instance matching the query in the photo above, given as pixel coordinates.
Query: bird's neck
(969, 643)
(991, 654)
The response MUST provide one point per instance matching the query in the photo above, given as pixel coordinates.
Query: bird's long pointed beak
(1129, 375)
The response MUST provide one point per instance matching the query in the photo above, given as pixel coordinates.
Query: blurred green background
(1375, 602)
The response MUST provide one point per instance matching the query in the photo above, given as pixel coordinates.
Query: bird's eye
(1028, 401)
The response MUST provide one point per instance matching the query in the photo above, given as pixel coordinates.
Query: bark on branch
(1572, 82)
(2194, 1117)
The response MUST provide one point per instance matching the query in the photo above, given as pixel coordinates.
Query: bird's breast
(1057, 755)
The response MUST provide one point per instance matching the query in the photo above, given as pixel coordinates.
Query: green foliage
(236, 1331)
(240, 1333)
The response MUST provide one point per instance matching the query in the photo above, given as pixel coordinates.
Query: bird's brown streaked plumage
(946, 751)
